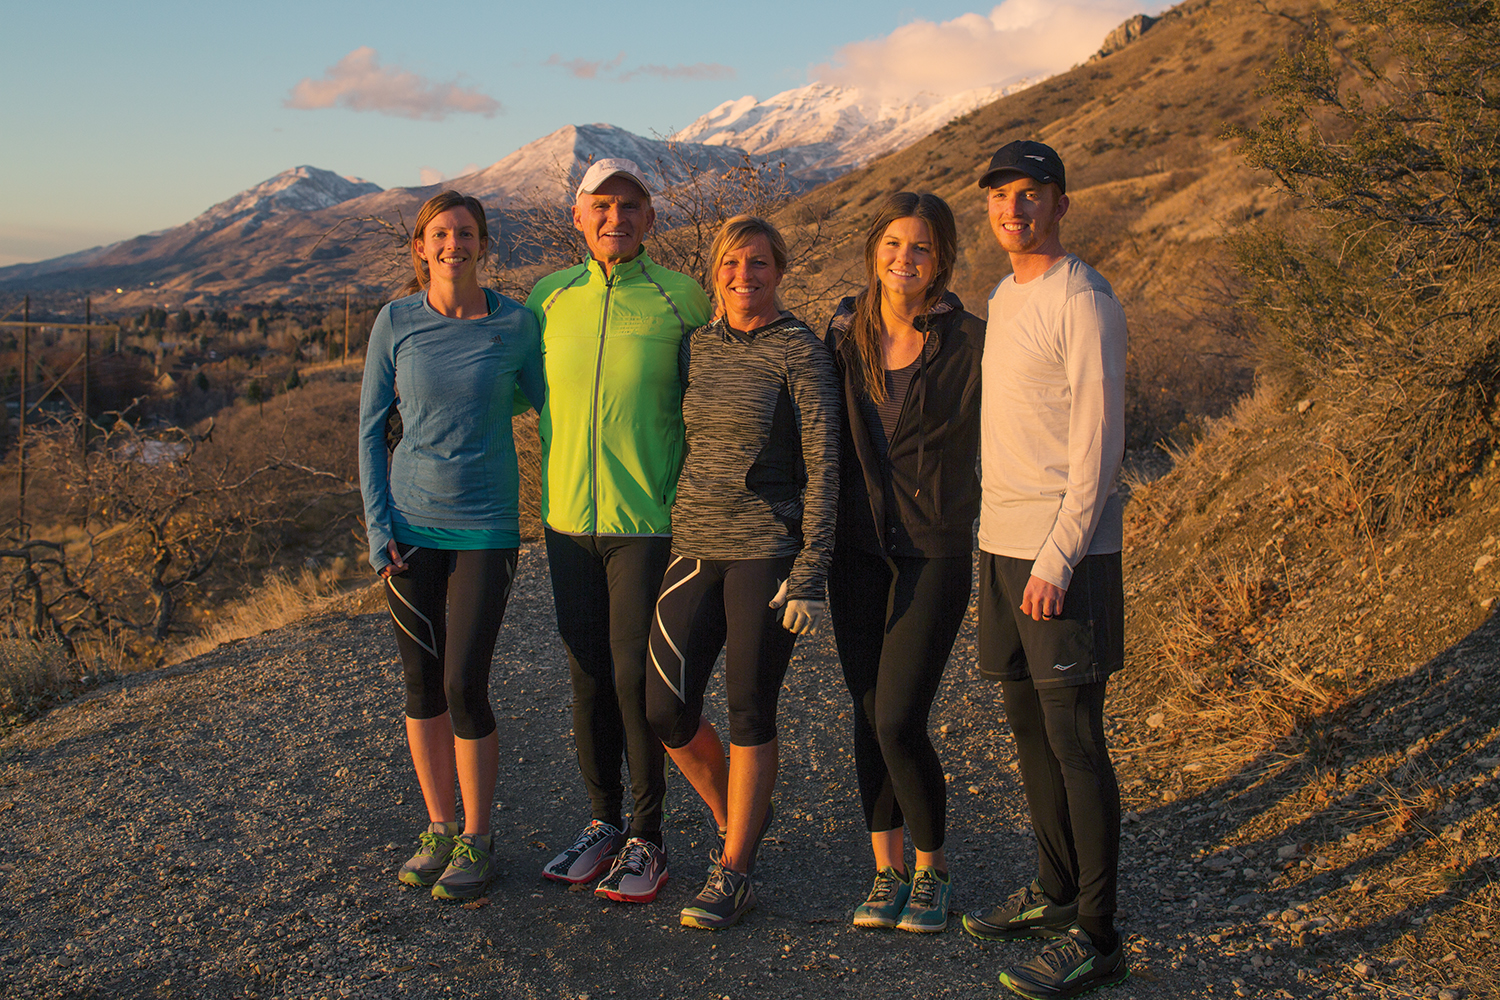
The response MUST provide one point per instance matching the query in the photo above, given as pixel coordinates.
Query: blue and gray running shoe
(592, 853)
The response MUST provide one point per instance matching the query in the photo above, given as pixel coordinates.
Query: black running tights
(1071, 790)
(604, 589)
(712, 605)
(894, 632)
(447, 607)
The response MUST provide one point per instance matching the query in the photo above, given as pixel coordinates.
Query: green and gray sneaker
(887, 898)
(1066, 968)
(926, 909)
(469, 869)
(435, 845)
(1029, 912)
(725, 898)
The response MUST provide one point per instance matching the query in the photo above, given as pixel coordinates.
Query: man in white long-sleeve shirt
(1051, 598)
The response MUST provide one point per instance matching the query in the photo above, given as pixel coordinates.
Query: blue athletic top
(455, 468)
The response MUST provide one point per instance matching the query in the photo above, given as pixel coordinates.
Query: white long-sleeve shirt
(1053, 414)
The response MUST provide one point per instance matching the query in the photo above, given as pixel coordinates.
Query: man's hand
(801, 616)
(1042, 600)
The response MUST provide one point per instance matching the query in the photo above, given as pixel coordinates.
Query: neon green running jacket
(611, 429)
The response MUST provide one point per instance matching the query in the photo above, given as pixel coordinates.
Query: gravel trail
(230, 827)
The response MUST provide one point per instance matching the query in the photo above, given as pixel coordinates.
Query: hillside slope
(1154, 187)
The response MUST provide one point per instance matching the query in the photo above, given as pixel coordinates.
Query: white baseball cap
(603, 170)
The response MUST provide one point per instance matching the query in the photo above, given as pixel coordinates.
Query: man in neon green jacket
(612, 444)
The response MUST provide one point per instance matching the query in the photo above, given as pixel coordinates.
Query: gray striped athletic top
(761, 476)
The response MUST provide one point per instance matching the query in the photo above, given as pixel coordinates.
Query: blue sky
(122, 119)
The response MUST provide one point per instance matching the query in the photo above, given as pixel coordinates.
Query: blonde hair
(735, 233)
(431, 209)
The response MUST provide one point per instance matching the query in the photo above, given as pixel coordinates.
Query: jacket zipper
(609, 284)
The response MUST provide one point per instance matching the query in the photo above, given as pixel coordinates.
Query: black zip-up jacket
(932, 456)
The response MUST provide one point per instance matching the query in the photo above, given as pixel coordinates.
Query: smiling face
(745, 281)
(614, 220)
(906, 258)
(452, 246)
(1024, 216)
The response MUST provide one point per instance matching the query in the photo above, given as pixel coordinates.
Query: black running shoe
(726, 897)
(1066, 968)
(1029, 912)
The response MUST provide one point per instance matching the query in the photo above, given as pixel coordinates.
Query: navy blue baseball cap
(1036, 160)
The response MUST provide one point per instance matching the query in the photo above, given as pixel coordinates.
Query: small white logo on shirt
(1059, 666)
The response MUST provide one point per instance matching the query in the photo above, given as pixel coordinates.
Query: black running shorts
(1083, 646)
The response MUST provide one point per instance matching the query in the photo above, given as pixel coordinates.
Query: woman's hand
(801, 616)
(398, 565)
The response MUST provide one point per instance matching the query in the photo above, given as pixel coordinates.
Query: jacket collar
(632, 268)
(728, 332)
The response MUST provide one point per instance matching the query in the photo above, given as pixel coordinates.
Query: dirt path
(230, 828)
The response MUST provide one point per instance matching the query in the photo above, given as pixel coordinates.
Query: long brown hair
(735, 233)
(861, 346)
(431, 209)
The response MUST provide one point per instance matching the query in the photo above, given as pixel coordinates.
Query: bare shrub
(1384, 296)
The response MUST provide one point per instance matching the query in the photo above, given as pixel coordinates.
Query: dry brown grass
(281, 599)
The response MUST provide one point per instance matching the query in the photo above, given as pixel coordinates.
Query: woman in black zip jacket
(908, 355)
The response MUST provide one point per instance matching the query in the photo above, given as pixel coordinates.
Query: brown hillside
(1154, 187)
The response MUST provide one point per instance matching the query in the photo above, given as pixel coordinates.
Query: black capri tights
(894, 633)
(707, 606)
(445, 657)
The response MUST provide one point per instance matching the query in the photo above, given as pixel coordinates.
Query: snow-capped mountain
(820, 131)
(279, 238)
(545, 171)
(300, 189)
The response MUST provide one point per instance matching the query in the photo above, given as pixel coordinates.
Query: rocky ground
(230, 827)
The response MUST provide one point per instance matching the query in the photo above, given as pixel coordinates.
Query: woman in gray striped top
(752, 536)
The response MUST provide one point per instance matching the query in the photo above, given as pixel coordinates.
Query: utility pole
(21, 423)
(346, 326)
(88, 336)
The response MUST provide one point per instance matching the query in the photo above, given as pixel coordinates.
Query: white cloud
(358, 82)
(586, 69)
(432, 175)
(1017, 40)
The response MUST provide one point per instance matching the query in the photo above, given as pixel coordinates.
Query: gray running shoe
(1066, 968)
(591, 854)
(435, 845)
(637, 875)
(887, 898)
(725, 898)
(1029, 912)
(469, 869)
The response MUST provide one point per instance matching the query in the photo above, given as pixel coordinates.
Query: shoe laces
(1064, 953)
(1026, 898)
(431, 843)
(634, 858)
(596, 831)
(924, 887)
(886, 885)
(465, 854)
(720, 885)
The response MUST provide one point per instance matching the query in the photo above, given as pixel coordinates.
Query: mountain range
(290, 236)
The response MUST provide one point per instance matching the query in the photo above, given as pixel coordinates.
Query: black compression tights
(894, 633)
(604, 589)
(1071, 789)
(709, 605)
(447, 608)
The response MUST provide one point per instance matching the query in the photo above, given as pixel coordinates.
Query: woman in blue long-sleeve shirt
(442, 518)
